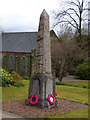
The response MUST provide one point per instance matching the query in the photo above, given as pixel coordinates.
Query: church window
(11, 62)
(23, 64)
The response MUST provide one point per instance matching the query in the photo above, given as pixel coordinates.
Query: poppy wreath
(56, 93)
(51, 99)
(33, 99)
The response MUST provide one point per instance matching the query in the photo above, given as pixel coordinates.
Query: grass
(0, 94)
(15, 93)
(82, 84)
(64, 92)
(79, 113)
(75, 94)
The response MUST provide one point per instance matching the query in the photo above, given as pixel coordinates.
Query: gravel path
(19, 108)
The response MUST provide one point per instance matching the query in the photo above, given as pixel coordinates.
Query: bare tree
(73, 15)
(65, 54)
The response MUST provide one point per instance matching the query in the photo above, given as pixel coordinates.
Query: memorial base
(42, 86)
(42, 104)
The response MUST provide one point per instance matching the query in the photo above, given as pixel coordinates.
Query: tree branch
(78, 2)
(66, 13)
(74, 11)
(75, 4)
(66, 22)
(72, 18)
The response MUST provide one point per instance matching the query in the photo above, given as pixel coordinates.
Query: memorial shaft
(43, 47)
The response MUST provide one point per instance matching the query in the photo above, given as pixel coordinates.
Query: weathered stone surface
(41, 82)
(41, 78)
(49, 87)
(35, 87)
(43, 48)
(56, 103)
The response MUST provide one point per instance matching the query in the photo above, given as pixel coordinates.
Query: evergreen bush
(17, 84)
(83, 70)
(65, 84)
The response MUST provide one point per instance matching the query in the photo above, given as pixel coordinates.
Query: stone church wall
(17, 60)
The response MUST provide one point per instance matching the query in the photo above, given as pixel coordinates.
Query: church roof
(19, 41)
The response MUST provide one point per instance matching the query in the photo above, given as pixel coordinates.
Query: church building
(16, 51)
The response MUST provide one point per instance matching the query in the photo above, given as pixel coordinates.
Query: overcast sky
(23, 15)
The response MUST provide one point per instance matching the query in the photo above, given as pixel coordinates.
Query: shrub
(83, 70)
(25, 78)
(71, 72)
(17, 78)
(60, 83)
(7, 78)
(84, 86)
(10, 79)
(65, 84)
(17, 84)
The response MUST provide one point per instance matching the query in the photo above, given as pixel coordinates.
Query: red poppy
(56, 93)
(33, 99)
(51, 99)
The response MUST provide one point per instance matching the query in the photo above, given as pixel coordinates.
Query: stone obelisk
(41, 83)
(43, 48)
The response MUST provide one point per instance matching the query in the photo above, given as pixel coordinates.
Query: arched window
(11, 63)
(4, 62)
(23, 64)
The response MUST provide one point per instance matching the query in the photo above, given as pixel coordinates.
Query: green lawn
(75, 94)
(79, 113)
(0, 94)
(80, 83)
(15, 93)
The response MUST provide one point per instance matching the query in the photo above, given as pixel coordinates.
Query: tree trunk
(80, 34)
(80, 21)
(60, 78)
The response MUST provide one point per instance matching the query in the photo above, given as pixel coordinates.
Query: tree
(72, 15)
(65, 53)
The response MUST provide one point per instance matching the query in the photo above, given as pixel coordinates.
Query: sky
(23, 15)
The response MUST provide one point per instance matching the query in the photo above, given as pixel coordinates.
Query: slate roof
(19, 41)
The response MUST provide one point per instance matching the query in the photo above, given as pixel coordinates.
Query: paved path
(70, 78)
(9, 115)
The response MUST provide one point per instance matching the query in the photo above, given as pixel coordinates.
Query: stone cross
(41, 82)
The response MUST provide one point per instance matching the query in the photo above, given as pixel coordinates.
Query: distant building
(0, 46)
(16, 51)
